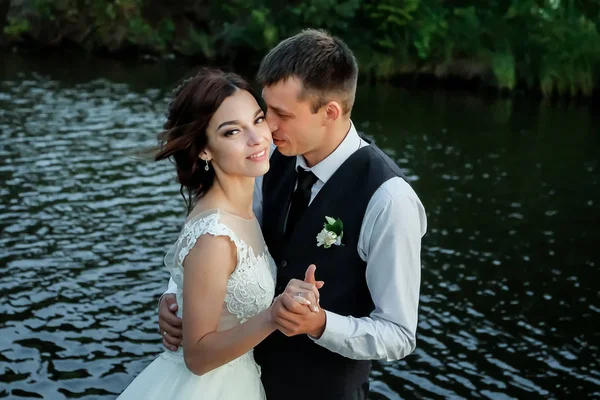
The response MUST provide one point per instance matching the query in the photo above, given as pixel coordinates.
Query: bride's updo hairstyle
(184, 136)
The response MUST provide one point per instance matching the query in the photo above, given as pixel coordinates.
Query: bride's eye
(260, 120)
(231, 132)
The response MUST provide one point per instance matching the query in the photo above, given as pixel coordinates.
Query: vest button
(283, 264)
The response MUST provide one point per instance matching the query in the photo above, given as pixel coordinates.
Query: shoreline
(546, 50)
(455, 78)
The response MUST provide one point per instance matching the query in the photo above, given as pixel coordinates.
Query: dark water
(509, 304)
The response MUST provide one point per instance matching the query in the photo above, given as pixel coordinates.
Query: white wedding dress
(250, 290)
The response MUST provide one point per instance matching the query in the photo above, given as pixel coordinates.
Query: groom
(322, 168)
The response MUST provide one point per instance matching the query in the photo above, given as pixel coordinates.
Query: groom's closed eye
(280, 113)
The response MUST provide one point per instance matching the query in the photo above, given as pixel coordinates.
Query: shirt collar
(326, 168)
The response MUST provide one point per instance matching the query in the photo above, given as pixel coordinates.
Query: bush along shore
(550, 47)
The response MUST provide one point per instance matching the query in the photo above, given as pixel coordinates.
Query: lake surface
(509, 299)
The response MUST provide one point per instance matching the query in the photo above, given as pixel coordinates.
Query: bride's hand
(307, 299)
(306, 292)
(303, 293)
(300, 299)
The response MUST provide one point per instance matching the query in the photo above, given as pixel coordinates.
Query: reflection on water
(509, 295)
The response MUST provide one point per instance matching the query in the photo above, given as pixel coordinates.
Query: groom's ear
(333, 111)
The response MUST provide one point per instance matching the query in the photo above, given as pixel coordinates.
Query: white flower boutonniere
(332, 233)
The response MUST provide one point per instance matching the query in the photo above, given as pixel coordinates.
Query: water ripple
(508, 295)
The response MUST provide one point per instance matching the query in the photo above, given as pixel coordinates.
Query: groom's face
(296, 129)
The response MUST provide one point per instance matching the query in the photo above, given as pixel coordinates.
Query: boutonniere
(332, 233)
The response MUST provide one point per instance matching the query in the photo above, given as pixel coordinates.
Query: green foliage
(548, 45)
(332, 15)
(16, 27)
(572, 53)
(197, 42)
(503, 67)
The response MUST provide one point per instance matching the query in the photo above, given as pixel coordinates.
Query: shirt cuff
(336, 331)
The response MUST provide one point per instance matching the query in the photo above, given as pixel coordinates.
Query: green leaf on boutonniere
(334, 225)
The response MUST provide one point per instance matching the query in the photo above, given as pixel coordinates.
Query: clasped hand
(296, 311)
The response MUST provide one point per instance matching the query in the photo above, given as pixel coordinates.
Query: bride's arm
(207, 268)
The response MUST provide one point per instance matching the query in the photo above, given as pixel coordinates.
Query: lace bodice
(249, 290)
(251, 286)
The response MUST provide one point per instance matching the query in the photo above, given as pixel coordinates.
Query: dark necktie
(300, 199)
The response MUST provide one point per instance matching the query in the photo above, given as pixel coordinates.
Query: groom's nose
(272, 122)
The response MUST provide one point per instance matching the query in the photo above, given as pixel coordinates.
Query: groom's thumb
(309, 276)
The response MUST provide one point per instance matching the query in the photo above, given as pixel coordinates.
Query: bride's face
(238, 137)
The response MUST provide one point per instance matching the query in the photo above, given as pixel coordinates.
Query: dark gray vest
(346, 196)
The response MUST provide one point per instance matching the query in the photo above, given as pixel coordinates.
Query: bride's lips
(259, 155)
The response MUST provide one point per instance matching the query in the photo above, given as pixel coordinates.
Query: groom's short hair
(324, 64)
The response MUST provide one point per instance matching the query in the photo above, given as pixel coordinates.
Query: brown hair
(324, 64)
(184, 136)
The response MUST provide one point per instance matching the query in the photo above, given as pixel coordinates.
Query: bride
(217, 136)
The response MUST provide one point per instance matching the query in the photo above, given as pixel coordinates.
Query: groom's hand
(293, 318)
(169, 323)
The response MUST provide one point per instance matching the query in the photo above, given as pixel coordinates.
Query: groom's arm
(390, 243)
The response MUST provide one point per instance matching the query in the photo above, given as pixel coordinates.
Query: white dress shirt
(390, 243)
